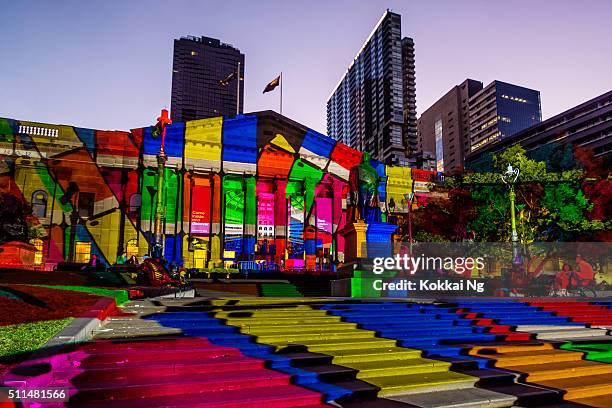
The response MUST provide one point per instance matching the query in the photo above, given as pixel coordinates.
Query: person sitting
(562, 280)
(584, 275)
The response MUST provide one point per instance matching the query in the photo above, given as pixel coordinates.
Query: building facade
(409, 129)
(199, 66)
(255, 188)
(367, 108)
(588, 125)
(443, 129)
(500, 110)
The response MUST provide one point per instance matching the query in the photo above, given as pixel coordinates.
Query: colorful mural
(256, 187)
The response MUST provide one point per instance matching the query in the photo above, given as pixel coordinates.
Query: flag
(273, 84)
(226, 81)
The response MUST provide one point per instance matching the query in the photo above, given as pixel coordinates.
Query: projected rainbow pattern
(258, 187)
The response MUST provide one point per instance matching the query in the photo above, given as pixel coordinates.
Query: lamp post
(162, 121)
(509, 178)
(409, 197)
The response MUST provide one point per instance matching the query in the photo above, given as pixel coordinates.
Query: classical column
(215, 222)
(250, 221)
(280, 219)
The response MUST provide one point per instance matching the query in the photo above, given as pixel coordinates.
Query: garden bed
(120, 295)
(31, 315)
(28, 304)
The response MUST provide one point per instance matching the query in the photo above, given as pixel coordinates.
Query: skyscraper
(501, 110)
(367, 108)
(409, 130)
(200, 66)
(443, 129)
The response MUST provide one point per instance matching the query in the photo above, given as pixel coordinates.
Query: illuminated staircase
(353, 358)
(543, 363)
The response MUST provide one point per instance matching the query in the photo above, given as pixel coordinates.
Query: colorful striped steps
(446, 330)
(524, 318)
(167, 372)
(335, 357)
(560, 369)
(192, 322)
(360, 351)
(245, 343)
(505, 382)
(601, 352)
(579, 311)
(544, 365)
(464, 398)
(566, 333)
(277, 397)
(495, 381)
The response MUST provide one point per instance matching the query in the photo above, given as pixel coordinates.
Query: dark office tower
(501, 110)
(409, 130)
(200, 66)
(366, 109)
(443, 129)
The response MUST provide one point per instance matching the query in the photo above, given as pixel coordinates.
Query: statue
(363, 198)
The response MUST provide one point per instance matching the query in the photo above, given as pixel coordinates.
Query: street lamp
(409, 197)
(509, 178)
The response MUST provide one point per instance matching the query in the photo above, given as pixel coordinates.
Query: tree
(550, 205)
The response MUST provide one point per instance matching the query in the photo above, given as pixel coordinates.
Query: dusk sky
(108, 64)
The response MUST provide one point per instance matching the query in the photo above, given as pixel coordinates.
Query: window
(39, 203)
(439, 146)
(38, 255)
(131, 248)
(135, 203)
(38, 131)
(199, 258)
(86, 204)
(82, 251)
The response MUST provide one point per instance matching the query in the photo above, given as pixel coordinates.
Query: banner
(200, 210)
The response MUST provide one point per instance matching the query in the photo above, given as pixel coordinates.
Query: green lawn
(121, 296)
(17, 339)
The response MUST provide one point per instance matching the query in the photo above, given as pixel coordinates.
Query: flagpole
(238, 91)
(281, 93)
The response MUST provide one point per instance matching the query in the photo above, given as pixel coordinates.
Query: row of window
(485, 141)
(82, 251)
(515, 99)
(86, 203)
(38, 131)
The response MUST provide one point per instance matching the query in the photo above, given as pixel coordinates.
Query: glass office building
(500, 110)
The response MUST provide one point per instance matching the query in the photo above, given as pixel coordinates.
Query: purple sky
(107, 64)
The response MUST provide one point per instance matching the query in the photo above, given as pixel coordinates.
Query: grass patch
(18, 340)
(121, 296)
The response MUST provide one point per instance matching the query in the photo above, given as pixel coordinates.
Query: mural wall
(259, 188)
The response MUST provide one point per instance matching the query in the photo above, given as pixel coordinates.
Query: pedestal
(363, 242)
(354, 241)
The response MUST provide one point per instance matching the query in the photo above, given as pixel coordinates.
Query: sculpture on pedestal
(363, 195)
